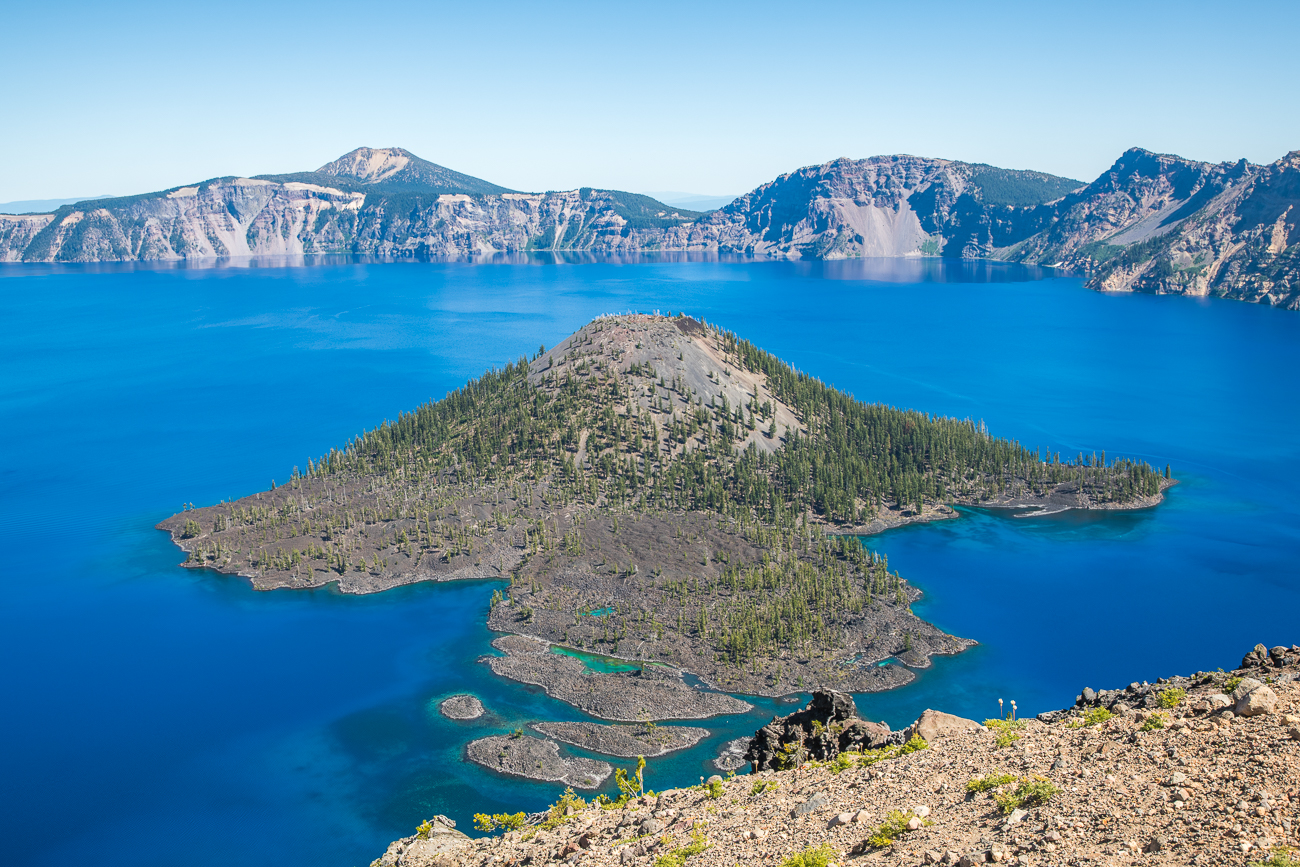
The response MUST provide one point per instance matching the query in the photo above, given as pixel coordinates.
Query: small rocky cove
(1193, 770)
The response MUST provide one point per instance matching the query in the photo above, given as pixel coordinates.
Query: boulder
(867, 735)
(831, 705)
(432, 847)
(1252, 698)
(828, 726)
(817, 802)
(1257, 656)
(934, 724)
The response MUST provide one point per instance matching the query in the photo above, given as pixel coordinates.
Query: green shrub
(1030, 792)
(989, 782)
(1279, 858)
(1005, 730)
(555, 815)
(631, 785)
(1231, 683)
(895, 825)
(1155, 722)
(678, 856)
(811, 857)
(503, 821)
(1095, 716)
(714, 789)
(1172, 697)
(762, 786)
(426, 827)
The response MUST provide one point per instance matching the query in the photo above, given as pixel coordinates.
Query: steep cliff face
(1163, 224)
(882, 206)
(16, 234)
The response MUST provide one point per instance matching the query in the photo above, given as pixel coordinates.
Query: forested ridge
(855, 460)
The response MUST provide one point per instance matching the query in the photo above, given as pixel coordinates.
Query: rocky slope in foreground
(1208, 777)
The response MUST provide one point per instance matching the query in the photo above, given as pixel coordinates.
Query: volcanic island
(657, 490)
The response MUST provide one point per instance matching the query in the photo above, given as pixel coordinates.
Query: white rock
(921, 810)
(914, 824)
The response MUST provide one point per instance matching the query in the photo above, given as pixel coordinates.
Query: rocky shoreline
(1205, 774)
(624, 741)
(537, 759)
(653, 693)
(461, 707)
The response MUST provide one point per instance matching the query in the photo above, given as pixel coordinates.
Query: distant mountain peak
(371, 165)
(393, 169)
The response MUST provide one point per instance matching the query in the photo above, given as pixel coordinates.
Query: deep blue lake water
(155, 716)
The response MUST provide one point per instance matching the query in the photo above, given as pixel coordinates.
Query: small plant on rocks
(714, 789)
(504, 821)
(895, 825)
(1005, 730)
(1231, 683)
(1172, 697)
(842, 762)
(989, 782)
(1154, 722)
(423, 831)
(764, 786)
(560, 811)
(678, 856)
(1095, 716)
(819, 856)
(1030, 792)
(1279, 858)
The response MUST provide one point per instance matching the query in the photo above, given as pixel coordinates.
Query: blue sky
(137, 95)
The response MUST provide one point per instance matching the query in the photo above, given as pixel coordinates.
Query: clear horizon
(713, 100)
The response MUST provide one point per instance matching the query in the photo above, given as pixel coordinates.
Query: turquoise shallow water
(154, 715)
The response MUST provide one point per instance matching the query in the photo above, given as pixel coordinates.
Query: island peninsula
(657, 489)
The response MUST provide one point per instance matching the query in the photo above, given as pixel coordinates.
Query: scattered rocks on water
(536, 759)
(654, 693)
(624, 740)
(461, 707)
